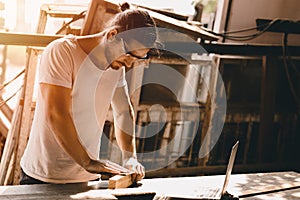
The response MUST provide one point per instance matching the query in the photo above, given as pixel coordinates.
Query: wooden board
(53, 191)
(164, 187)
(181, 26)
(120, 181)
(98, 14)
(101, 11)
(264, 183)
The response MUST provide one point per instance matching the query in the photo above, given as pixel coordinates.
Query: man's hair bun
(124, 6)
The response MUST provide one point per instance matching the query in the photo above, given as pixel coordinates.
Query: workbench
(273, 185)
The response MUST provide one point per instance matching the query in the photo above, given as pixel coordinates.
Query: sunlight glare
(10, 14)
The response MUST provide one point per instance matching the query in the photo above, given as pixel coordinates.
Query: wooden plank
(263, 183)
(176, 60)
(99, 12)
(11, 142)
(249, 49)
(42, 19)
(174, 112)
(6, 110)
(107, 9)
(64, 14)
(180, 26)
(39, 40)
(9, 174)
(172, 14)
(3, 130)
(92, 8)
(58, 11)
(210, 107)
(269, 188)
(54, 191)
(3, 65)
(120, 181)
(162, 187)
(27, 110)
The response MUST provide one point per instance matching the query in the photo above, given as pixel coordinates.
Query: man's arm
(57, 101)
(124, 130)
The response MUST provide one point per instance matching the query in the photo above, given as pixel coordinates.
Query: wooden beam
(166, 12)
(6, 110)
(177, 60)
(3, 130)
(107, 9)
(57, 11)
(248, 49)
(22, 39)
(120, 181)
(211, 105)
(11, 142)
(99, 12)
(27, 113)
(41, 40)
(180, 26)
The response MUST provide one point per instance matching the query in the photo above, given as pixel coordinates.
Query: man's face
(129, 54)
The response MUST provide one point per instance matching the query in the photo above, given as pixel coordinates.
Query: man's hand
(135, 166)
(105, 166)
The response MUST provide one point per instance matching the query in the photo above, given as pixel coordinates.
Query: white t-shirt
(65, 64)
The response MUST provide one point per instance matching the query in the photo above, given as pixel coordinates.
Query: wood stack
(8, 136)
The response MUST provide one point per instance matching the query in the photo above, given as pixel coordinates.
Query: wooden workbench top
(276, 185)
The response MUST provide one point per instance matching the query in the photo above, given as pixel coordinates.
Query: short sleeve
(56, 64)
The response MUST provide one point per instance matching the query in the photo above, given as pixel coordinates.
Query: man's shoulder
(66, 43)
(63, 41)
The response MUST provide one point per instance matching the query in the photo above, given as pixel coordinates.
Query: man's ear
(112, 34)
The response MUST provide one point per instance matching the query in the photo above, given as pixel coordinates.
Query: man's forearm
(124, 122)
(126, 143)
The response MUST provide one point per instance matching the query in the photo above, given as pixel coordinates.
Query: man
(79, 78)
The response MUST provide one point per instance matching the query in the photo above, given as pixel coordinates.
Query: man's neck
(93, 46)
